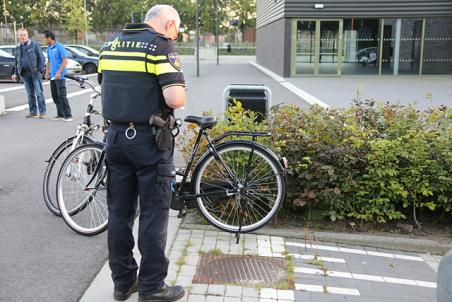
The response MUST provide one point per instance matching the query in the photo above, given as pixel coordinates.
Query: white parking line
(354, 251)
(313, 271)
(312, 257)
(49, 100)
(21, 86)
(312, 100)
(327, 289)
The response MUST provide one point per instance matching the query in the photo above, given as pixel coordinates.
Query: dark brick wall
(438, 46)
(273, 46)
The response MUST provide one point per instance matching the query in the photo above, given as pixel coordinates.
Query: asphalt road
(41, 259)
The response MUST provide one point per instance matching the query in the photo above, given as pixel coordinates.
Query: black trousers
(58, 89)
(137, 169)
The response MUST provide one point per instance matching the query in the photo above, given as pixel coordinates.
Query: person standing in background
(55, 71)
(29, 64)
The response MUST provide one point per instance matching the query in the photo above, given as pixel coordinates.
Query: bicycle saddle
(205, 122)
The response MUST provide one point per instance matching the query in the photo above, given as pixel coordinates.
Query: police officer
(141, 76)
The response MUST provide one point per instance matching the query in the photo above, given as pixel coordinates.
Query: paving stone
(196, 298)
(278, 248)
(214, 299)
(267, 300)
(232, 299)
(199, 289)
(250, 299)
(215, 289)
(187, 270)
(268, 293)
(233, 291)
(286, 294)
(250, 292)
(184, 281)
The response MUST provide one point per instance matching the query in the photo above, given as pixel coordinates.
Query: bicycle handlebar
(82, 80)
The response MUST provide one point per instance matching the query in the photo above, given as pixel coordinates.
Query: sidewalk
(261, 268)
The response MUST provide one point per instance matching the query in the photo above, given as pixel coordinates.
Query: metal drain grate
(243, 270)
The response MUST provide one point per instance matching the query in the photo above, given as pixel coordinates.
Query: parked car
(73, 67)
(89, 63)
(367, 56)
(6, 65)
(89, 51)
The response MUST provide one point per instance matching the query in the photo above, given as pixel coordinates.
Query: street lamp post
(197, 38)
(86, 23)
(217, 32)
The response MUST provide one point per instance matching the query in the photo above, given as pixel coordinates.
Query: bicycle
(236, 185)
(83, 135)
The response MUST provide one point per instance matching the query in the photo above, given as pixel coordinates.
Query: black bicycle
(236, 185)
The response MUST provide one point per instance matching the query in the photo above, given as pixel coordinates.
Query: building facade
(355, 37)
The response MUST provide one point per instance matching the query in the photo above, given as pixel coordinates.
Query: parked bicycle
(83, 135)
(237, 185)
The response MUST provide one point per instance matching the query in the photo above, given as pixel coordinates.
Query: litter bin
(254, 97)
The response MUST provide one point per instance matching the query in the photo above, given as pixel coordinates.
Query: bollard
(444, 287)
(2, 105)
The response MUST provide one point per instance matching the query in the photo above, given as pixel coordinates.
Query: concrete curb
(101, 287)
(384, 242)
(2, 105)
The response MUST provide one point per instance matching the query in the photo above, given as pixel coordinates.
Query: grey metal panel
(368, 8)
(268, 11)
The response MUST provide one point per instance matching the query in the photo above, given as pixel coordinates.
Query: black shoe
(164, 294)
(121, 295)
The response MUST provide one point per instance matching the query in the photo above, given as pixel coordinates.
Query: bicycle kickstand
(182, 213)
(237, 235)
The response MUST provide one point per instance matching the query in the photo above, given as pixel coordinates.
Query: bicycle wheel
(51, 173)
(229, 199)
(82, 190)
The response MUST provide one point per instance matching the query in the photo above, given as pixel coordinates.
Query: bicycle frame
(212, 149)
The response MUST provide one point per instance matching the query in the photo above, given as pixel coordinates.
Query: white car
(73, 67)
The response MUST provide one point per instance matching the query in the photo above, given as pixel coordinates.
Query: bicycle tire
(88, 205)
(267, 156)
(50, 199)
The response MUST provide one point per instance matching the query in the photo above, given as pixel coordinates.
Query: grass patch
(181, 260)
(216, 252)
(288, 283)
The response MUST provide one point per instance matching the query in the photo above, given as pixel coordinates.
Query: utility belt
(162, 130)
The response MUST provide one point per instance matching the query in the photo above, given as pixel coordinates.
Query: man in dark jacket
(29, 65)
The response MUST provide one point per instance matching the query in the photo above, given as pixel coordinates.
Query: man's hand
(58, 75)
(47, 76)
(14, 77)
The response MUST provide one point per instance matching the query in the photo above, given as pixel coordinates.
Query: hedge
(371, 162)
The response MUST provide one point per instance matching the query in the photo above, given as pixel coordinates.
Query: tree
(107, 14)
(75, 18)
(245, 12)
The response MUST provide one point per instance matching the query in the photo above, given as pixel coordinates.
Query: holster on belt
(163, 131)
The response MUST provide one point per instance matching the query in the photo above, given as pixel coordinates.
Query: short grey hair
(164, 13)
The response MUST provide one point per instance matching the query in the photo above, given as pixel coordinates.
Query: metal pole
(217, 32)
(86, 23)
(398, 34)
(15, 32)
(197, 38)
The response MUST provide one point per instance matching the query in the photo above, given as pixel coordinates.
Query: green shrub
(371, 162)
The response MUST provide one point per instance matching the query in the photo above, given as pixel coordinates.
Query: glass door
(329, 38)
(306, 47)
(317, 48)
